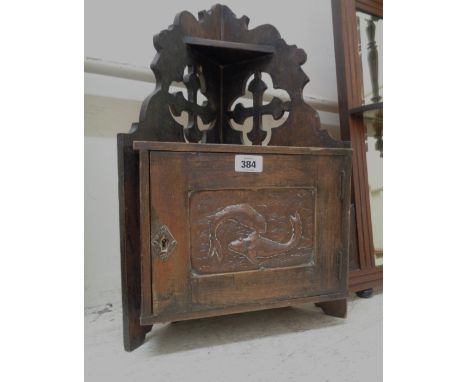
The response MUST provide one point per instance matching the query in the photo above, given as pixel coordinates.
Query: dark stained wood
(145, 247)
(364, 109)
(239, 309)
(336, 308)
(227, 52)
(237, 149)
(209, 48)
(128, 162)
(372, 7)
(349, 80)
(371, 277)
(361, 195)
(236, 46)
(353, 250)
(165, 277)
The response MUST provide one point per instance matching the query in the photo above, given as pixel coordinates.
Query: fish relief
(265, 228)
(255, 246)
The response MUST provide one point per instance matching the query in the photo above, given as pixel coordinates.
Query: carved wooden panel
(239, 230)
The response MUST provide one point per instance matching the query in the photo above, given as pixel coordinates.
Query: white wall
(122, 31)
(104, 118)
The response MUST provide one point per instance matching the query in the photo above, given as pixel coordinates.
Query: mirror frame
(352, 127)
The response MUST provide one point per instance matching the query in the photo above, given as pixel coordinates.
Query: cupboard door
(223, 238)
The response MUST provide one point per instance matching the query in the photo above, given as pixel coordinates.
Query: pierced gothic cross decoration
(219, 53)
(193, 82)
(258, 135)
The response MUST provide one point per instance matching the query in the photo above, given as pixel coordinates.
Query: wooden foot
(366, 293)
(336, 308)
(134, 336)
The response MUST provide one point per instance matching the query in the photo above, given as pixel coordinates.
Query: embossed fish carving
(239, 213)
(255, 246)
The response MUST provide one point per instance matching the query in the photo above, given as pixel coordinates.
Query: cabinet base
(337, 308)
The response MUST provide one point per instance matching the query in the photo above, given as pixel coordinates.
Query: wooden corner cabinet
(219, 215)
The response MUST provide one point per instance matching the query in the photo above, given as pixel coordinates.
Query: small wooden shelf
(370, 111)
(228, 52)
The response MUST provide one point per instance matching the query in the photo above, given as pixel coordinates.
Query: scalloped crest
(219, 54)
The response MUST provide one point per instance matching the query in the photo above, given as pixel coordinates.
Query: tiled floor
(291, 344)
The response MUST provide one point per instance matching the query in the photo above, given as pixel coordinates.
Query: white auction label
(248, 163)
